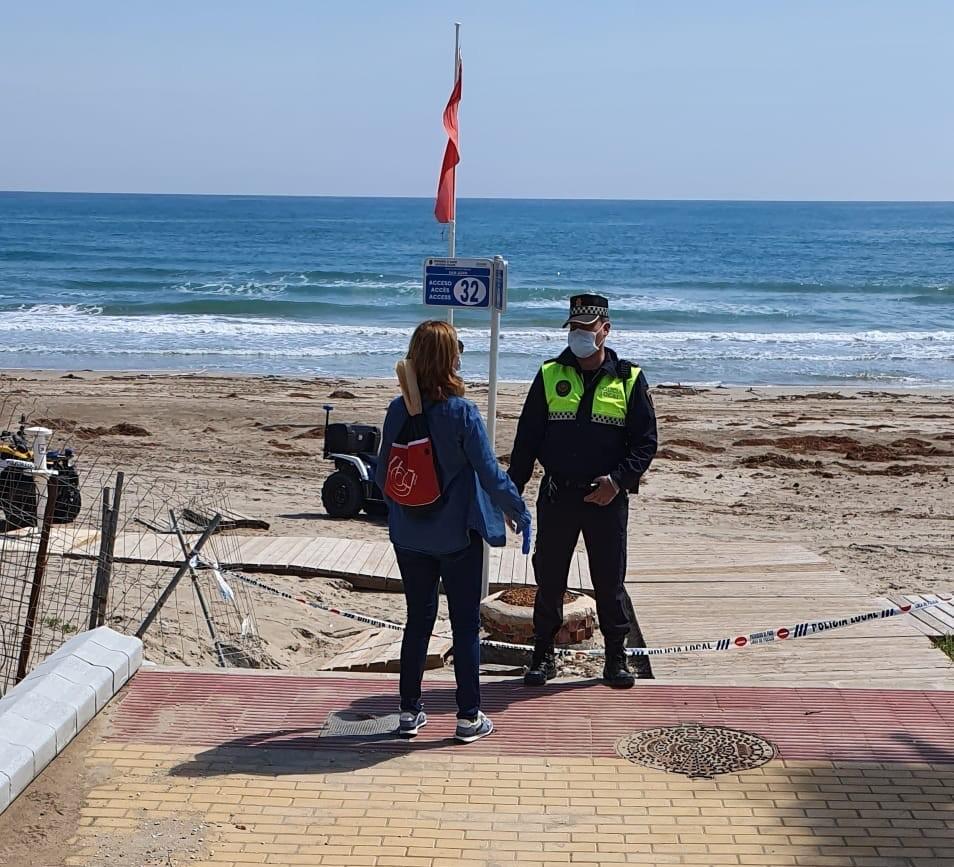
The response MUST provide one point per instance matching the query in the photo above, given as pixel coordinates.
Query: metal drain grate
(345, 724)
(696, 751)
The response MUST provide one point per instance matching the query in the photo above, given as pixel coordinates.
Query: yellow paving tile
(423, 810)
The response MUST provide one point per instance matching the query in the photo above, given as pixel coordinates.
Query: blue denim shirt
(476, 490)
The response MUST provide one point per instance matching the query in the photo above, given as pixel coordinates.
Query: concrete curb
(45, 711)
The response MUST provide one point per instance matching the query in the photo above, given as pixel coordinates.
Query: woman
(446, 543)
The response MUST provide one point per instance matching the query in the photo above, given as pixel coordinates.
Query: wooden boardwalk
(686, 587)
(63, 538)
(380, 650)
(366, 565)
(707, 589)
(936, 621)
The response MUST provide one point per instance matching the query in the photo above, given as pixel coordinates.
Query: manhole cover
(351, 724)
(696, 750)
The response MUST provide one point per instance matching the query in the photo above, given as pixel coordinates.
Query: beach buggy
(351, 487)
(18, 494)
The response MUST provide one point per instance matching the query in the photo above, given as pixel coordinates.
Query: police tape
(760, 638)
(351, 615)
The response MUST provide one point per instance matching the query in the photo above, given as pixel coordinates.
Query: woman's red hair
(433, 352)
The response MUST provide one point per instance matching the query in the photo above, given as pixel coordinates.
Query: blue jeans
(461, 574)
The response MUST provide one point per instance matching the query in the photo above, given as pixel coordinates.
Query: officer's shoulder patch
(563, 387)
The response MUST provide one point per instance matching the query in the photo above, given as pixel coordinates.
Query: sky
(736, 99)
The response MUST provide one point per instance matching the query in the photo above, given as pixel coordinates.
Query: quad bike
(351, 487)
(18, 494)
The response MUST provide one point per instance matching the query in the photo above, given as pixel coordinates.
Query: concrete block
(76, 670)
(37, 708)
(38, 738)
(88, 647)
(67, 646)
(102, 647)
(116, 662)
(128, 645)
(16, 766)
(43, 713)
(80, 697)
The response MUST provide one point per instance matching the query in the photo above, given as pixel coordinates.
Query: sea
(733, 293)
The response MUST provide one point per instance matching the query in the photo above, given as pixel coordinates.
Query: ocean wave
(942, 295)
(45, 328)
(641, 303)
(148, 291)
(206, 351)
(269, 286)
(80, 319)
(297, 287)
(24, 256)
(34, 311)
(91, 318)
(404, 286)
(651, 358)
(250, 289)
(275, 302)
(708, 336)
(882, 286)
(278, 306)
(372, 351)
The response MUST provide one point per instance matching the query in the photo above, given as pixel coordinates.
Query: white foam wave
(52, 331)
(34, 311)
(75, 320)
(405, 286)
(664, 304)
(646, 356)
(80, 319)
(269, 289)
(251, 289)
(788, 337)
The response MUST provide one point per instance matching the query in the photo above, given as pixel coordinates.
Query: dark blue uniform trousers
(559, 524)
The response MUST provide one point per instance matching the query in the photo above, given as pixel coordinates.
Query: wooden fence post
(104, 563)
(39, 570)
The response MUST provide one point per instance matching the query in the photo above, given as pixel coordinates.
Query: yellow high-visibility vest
(563, 386)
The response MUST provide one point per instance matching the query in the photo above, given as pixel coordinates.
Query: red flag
(445, 206)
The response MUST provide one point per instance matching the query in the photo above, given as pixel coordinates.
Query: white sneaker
(470, 730)
(411, 723)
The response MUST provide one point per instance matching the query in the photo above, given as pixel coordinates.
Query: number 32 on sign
(458, 282)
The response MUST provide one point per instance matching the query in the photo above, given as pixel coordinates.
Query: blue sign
(458, 282)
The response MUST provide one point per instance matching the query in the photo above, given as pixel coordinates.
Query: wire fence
(99, 544)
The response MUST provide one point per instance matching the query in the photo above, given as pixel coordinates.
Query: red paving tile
(570, 719)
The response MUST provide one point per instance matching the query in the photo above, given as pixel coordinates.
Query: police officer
(589, 420)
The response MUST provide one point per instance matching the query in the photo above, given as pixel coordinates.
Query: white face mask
(583, 343)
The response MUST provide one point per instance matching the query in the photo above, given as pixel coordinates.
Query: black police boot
(542, 667)
(643, 668)
(616, 672)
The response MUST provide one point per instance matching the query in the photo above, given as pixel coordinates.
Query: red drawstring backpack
(413, 475)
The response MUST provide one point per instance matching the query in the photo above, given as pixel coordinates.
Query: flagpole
(452, 226)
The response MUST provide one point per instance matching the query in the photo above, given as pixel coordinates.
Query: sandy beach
(859, 476)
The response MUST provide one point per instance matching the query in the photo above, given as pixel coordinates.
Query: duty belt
(552, 487)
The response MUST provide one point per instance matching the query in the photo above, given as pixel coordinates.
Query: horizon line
(688, 200)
